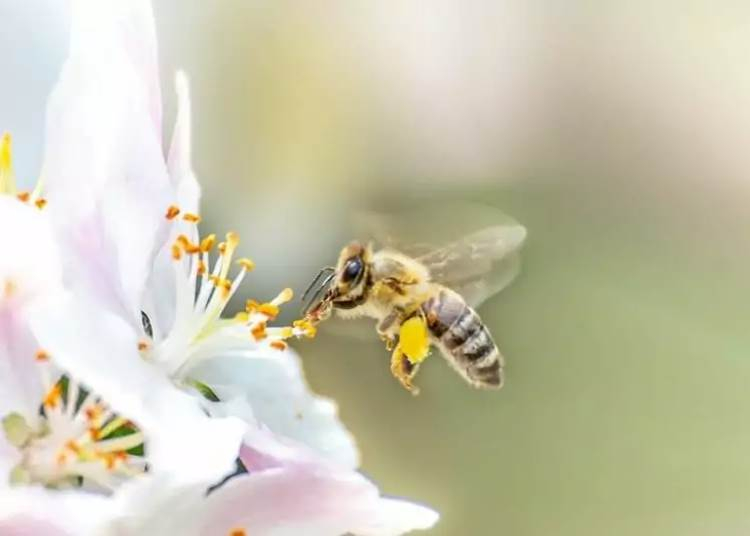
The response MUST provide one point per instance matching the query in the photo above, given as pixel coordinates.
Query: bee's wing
(479, 265)
(479, 251)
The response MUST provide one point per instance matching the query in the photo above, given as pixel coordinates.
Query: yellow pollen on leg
(7, 178)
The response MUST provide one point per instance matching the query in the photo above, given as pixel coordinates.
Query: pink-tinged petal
(99, 349)
(273, 384)
(302, 500)
(30, 272)
(21, 388)
(104, 171)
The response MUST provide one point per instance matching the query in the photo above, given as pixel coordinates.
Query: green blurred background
(618, 133)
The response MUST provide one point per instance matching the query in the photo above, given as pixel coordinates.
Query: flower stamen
(72, 439)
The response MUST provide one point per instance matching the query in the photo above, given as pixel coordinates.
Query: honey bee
(425, 300)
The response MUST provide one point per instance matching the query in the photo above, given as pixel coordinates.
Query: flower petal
(104, 171)
(303, 500)
(273, 384)
(29, 272)
(100, 350)
(27, 511)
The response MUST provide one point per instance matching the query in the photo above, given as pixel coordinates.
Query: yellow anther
(142, 346)
(226, 286)
(208, 243)
(233, 239)
(259, 331)
(269, 309)
(237, 532)
(242, 317)
(7, 179)
(187, 246)
(172, 212)
(201, 267)
(192, 218)
(94, 412)
(176, 252)
(23, 197)
(247, 264)
(278, 345)
(52, 398)
(251, 306)
(287, 332)
(40, 203)
(307, 327)
(41, 355)
(284, 296)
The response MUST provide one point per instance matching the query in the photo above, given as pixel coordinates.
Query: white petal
(100, 350)
(273, 384)
(104, 171)
(30, 272)
(30, 263)
(161, 291)
(302, 500)
(27, 511)
(180, 160)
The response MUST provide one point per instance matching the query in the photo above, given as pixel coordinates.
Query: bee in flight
(426, 299)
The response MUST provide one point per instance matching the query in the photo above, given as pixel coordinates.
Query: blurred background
(618, 133)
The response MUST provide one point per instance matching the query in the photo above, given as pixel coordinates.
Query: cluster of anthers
(8, 179)
(204, 287)
(74, 440)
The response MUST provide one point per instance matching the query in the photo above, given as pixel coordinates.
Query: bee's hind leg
(404, 370)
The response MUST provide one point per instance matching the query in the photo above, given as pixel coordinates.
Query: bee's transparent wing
(479, 265)
(479, 251)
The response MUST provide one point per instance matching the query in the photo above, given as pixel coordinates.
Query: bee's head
(352, 276)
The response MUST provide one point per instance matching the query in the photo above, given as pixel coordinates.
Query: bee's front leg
(404, 370)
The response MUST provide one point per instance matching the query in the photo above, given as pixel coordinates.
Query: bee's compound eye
(352, 269)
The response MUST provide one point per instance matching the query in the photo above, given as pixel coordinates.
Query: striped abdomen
(464, 339)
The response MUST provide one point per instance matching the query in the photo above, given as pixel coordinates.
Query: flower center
(204, 285)
(75, 440)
